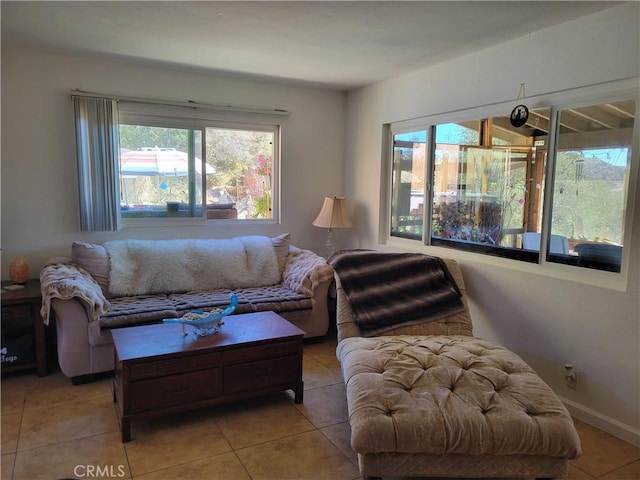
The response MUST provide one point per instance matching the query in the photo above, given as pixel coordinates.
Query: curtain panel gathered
(97, 147)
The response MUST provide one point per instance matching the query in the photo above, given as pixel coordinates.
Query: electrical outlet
(570, 376)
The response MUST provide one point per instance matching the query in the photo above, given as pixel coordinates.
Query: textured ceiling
(339, 45)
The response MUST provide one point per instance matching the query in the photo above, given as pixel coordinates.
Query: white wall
(547, 320)
(40, 215)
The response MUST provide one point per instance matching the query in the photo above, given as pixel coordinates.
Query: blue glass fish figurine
(205, 323)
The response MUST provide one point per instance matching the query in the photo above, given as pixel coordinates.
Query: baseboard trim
(603, 422)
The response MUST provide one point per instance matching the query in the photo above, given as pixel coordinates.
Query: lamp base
(328, 245)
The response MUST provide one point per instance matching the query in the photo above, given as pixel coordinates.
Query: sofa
(125, 283)
(427, 398)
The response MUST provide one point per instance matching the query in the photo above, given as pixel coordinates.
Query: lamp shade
(333, 214)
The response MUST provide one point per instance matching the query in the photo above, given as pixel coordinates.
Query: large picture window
(485, 186)
(213, 171)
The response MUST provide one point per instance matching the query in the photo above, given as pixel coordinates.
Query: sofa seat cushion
(138, 310)
(205, 301)
(276, 298)
(450, 395)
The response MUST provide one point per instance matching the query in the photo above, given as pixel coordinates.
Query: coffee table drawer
(173, 366)
(278, 349)
(251, 376)
(173, 390)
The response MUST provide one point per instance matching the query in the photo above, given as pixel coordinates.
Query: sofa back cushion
(141, 267)
(95, 259)
(281, 245)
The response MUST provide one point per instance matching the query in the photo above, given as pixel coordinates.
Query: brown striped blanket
(387, 290)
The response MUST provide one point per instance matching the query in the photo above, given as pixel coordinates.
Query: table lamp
(333, 214)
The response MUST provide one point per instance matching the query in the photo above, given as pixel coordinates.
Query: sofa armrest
(305, 271)
(77, 347)
(309, 274)
(68, 281)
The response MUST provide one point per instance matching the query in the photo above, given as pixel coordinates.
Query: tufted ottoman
(453, 402)
(426, 398)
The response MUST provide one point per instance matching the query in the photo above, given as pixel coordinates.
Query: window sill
(597, 278)
(167, 222)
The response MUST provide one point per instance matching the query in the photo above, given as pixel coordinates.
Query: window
(211, 170)
(484, 190)
(591, 183)
(407, 204)
(486, 186)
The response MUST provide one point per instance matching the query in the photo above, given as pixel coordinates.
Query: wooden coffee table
(158, 370)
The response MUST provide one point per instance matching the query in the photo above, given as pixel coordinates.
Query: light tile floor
(53, 430)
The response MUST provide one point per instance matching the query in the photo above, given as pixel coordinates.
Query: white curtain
(97, 148)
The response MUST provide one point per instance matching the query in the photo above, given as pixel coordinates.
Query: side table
(23, 304)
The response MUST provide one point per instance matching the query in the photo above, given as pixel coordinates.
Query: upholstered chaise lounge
(425, 397)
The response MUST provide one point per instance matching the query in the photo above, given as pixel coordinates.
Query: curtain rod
(188, 104)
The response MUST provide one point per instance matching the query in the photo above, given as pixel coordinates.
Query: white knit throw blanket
(304, 271)
(141, 267)
(67, 281)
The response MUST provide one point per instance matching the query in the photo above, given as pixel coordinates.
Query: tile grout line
(15, 453)
(339, 449)
(620, 467)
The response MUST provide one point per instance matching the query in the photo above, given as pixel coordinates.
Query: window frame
(425, 184)
(165, 116)
(541, 264)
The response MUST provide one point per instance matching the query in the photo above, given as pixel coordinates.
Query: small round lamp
(19, 271)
